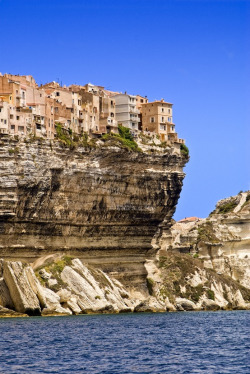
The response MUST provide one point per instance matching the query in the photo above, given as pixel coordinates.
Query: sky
(193, 53)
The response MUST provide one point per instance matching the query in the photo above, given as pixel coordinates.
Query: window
(0, 110)
(152, 119)
(57, 93)
(21, 128)
(162, 109)
(12, 127)
(141, 100)
(169, 111)
(5, 121)
(17, 117)
(163, 127)
(162, 119)
(11, 115)
(169, 119)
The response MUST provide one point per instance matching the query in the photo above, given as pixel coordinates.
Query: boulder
(65, 295)
(185, 304)
(5, 298)
(72, 304)
(24, 298)
(150, 305)
(5, 312)
(208, 304)
(53, 304)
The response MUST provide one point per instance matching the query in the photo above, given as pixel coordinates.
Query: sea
(182, 342)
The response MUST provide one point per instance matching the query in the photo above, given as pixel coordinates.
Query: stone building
(157, 117)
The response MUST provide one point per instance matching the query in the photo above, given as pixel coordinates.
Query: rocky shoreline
(90, 230)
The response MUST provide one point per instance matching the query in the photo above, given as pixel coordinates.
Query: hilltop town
(26, 108)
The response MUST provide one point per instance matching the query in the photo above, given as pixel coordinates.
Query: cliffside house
(126, 111)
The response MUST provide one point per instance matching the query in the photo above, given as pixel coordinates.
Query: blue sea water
(191, 342)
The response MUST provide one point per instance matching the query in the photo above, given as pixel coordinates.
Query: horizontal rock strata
(102, 205)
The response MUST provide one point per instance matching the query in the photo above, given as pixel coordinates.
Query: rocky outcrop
(102, 204)
(184, 283)
(24, 298)
(76, 289)
(220, 245)
(222, 240)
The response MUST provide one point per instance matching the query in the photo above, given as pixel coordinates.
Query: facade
(157, 117)
(4, 117)
(26, 108)
(126, 111)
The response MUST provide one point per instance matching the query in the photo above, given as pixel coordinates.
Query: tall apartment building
(157, 117)
(126, 111)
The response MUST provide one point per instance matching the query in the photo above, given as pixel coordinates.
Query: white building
(4, 117)
(126, 112)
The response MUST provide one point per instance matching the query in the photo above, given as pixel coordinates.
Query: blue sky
(192, 53)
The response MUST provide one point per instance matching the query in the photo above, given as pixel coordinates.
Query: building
(157, 117)
(140, 100)
(26, 108)
(126, 111)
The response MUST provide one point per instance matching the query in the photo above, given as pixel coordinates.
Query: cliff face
(221, 241)
(102, 205)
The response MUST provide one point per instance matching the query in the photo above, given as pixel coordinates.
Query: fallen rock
(5, 312)
(21, 292)
(5, 298)
(150, 305)
(185, 304)
(53, 303)
(208, 304)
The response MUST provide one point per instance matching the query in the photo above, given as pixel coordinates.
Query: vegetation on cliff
(123, 139)
(186, 277)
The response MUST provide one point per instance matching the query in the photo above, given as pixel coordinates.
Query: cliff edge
(100, 202)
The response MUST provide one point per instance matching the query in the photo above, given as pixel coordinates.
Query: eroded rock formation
(207, 261)
(102, 204)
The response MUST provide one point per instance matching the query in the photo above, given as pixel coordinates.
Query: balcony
(133, 110)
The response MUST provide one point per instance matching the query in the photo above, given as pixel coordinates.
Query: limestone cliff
(207, 258)
(100, 203)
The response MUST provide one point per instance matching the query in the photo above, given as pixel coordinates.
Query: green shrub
(13, 150)
(124, 138)
(184, 150)
(64, 136)
(150, 285)
(210, 294)
(227, 207)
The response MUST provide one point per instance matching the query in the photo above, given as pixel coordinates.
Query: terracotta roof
(189, 219)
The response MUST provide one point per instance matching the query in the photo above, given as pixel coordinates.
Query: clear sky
(193, 53)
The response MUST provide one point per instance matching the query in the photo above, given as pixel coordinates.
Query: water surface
(191, 342)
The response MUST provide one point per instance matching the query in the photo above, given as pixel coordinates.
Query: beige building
(157, 117)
